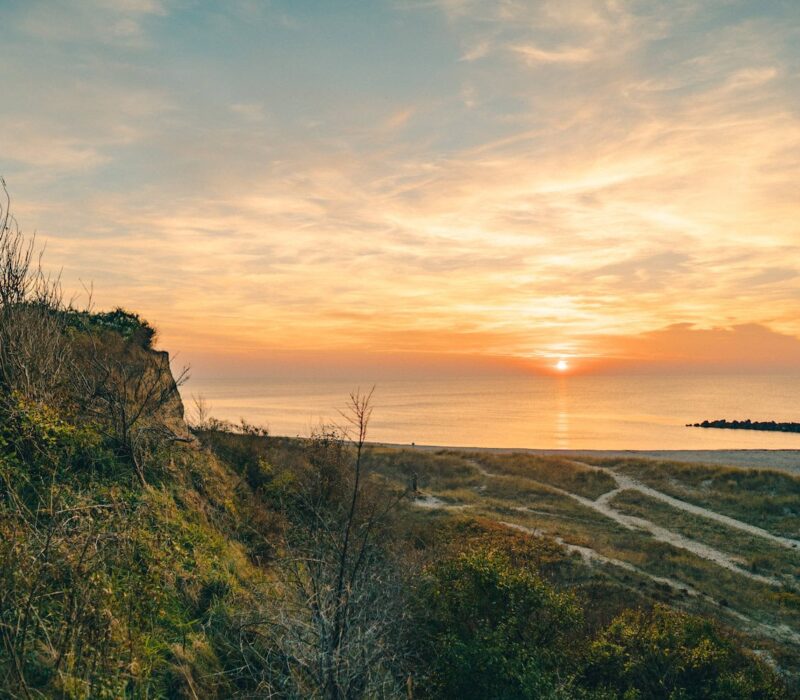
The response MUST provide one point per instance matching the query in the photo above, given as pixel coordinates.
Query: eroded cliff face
(99, 367)
(172, 413)
(128, 388)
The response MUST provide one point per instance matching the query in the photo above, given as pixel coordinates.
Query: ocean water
(638, 412)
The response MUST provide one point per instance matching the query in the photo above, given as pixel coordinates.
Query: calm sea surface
(607, 413)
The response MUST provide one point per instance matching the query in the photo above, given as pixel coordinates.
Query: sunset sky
(606, 182)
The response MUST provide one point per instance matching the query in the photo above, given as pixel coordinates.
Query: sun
(562, 365)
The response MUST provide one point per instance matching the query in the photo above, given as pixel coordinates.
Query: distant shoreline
(786, 460)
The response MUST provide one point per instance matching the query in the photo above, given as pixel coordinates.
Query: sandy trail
(781, 632)
(661, 534)
(592, 556)
(431, 502)
(608, 496)
(627, 483)
(602, 505)
(428, 501)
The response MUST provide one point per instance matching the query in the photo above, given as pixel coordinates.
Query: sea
(614, 412)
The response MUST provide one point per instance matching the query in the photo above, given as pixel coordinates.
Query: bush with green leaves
(665, 654)
(38, 445)
(492, 629)
(125, 323)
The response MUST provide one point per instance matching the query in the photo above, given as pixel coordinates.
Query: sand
(778, 460)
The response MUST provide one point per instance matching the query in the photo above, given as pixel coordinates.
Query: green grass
(757, 554)
(434, 471)
(555, 471)
(767, 499)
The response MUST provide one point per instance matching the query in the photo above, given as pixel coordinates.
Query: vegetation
(140, 559)
(129, 326)
(553, 471)
(753, 552)
(495, 629)
(627, 562)
(661, 653)
(767, 499)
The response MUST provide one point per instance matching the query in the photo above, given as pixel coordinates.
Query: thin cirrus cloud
(520, 180)
(534, 54)
(112, 22)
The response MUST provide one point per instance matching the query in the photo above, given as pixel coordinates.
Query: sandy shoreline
(781, 460)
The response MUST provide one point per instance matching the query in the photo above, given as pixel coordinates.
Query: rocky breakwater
(748, 424)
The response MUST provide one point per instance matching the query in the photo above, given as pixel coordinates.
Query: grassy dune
(556, 496)
(767, 499)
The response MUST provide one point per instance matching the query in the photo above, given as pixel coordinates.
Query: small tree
(35, 358)
(336, 633)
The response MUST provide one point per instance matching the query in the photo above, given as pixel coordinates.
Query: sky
(447, 183)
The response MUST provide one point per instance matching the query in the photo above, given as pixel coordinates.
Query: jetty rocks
(748, 425)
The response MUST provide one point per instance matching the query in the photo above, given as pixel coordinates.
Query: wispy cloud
(249, 111)
(538, 179)
(116, 22)
(399, 119)
(478, 50)
(533, 55)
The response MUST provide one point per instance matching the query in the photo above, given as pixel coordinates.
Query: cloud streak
(519, 180)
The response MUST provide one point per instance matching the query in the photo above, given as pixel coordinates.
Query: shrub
(127, 324)
(36, 438)
(493, 629)
(666, 654)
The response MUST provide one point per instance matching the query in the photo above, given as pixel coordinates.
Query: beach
(779, 460)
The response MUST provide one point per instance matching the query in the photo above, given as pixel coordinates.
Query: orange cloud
(748, 346)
